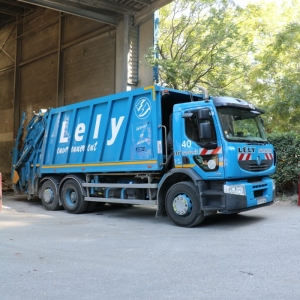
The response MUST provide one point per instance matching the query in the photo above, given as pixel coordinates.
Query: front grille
(260, 186)
(252, 166)
(256, 168)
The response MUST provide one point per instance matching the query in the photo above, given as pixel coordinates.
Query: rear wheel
(49, 195)
(183, 204)
(72, 197)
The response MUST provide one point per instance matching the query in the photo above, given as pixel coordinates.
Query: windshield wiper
(257, 142)
(249, 142)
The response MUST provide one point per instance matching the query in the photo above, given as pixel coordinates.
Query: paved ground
(125, 253)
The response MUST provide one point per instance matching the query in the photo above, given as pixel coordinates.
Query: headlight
(273, 184)
(235, 189)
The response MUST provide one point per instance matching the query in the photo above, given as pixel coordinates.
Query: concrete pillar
(122, 48)
(146, 40)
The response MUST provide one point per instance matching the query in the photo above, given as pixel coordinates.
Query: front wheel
(183, 204)
(72, 197)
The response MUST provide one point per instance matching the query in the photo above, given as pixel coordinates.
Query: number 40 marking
(187, 144)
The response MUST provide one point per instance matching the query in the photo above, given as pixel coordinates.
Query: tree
(200, 43)
(274, 76)
(250, 53)
(279, 85)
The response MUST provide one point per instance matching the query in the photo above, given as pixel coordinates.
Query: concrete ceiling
(106, 11)
(10, 9)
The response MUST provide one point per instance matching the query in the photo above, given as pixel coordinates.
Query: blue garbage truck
(189, 154)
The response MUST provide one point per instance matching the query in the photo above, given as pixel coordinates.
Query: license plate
(261, 200)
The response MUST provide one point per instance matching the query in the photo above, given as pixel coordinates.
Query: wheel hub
(182, 205)
(73, 197)
(48, 195)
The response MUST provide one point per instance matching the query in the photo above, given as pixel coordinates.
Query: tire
(49, 195)
(183, 204)
(72, 197)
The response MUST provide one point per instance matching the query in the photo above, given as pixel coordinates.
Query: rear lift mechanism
(28, 154)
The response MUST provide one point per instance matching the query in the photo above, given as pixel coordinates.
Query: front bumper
(256, 194)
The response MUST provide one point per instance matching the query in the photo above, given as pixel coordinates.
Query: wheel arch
(79, 178)
(55, 181)
(173, 176)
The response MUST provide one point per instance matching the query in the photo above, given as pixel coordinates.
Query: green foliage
(250, 53)
(288, 160)
(279, 73)
(200, 44)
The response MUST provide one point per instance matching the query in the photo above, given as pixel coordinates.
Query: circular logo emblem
(142, 108)
(258, 161)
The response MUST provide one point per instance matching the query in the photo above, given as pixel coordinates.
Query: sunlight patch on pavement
(8, 224)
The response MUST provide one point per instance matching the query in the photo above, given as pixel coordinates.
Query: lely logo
(142, 108)
(258, 161)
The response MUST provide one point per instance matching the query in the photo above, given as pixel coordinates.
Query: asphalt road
(125, 253)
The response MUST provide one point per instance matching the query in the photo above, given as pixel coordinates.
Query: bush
(287, 146)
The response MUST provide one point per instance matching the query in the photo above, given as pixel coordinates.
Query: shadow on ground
(135, 212)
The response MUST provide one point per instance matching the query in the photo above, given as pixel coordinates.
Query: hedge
(287, 146)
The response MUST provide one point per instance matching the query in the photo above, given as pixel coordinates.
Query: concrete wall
(38, 62)
(7, 63)
(60, 59)
(89, 63)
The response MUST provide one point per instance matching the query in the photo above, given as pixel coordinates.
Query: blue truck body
(191, 155)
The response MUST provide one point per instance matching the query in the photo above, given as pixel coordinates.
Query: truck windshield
(241, 125)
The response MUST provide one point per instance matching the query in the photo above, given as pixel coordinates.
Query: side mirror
(204, 114)
(205, 131)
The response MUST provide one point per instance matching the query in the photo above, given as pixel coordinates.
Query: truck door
(201, 146)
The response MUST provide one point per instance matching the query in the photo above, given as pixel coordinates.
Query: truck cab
(222, 143)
